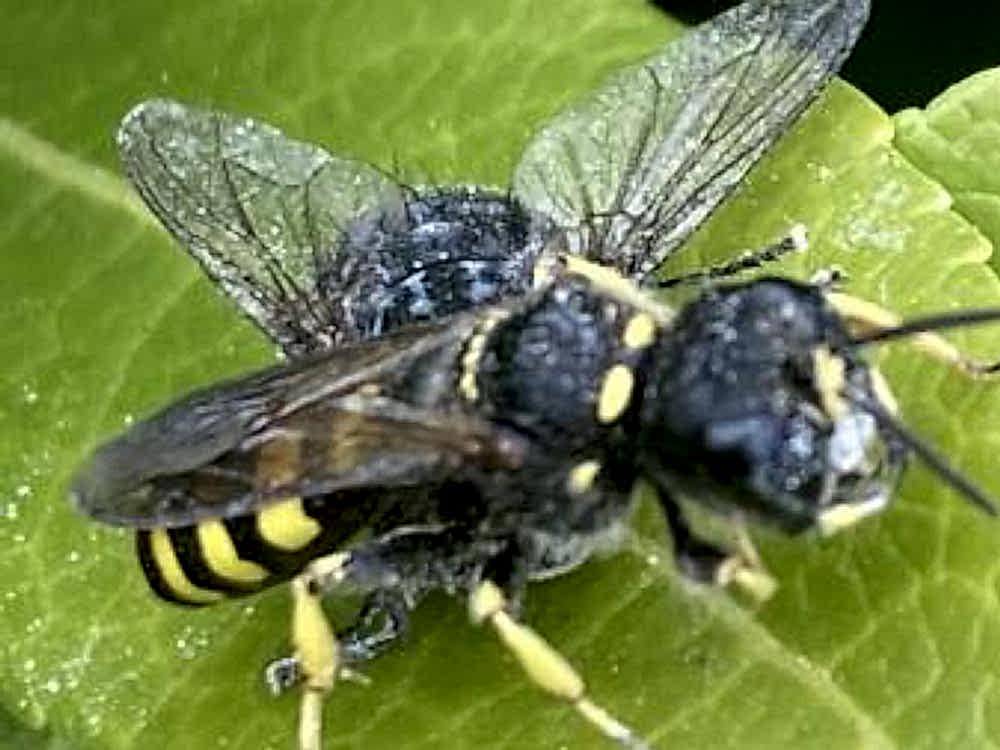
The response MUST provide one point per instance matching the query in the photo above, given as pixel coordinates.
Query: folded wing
(346, 420)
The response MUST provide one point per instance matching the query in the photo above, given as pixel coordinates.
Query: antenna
(939, 322)
(931, 458)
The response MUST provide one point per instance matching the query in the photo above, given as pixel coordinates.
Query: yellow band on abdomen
(219, 554)
(172, 574)
(286, 526)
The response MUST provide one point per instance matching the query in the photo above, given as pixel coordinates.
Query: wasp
(476, 378)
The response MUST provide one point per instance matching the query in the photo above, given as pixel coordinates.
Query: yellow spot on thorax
(173, 575)
(616, 392)
(286, 526)
(581, 477)
(219, 553)
(640, 331)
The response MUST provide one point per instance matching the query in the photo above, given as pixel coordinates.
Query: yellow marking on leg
(219, 554)
(867, 317)
(286, 526)
(545, 666)
(616, 392)
(581, 477)
(640, 331)
(845, 515)
(173, 575)
(828, 371)
(756, 582)
(318, 657)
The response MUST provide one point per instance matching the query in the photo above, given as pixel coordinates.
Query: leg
(383, 619)
(795, 240)
(545, 666)
(706, 563)
(397, 561)
(865, 318)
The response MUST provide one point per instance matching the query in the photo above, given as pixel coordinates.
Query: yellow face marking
(220, 555)
(172, 573)
(828, 369)
(616, 392)
(640, 332)
(581, 477)
(286, 526)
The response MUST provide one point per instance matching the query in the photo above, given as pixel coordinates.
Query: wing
(630, 172)
(262, 213)
(349, 419)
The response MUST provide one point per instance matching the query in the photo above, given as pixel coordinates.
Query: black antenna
(931, 458)
(939, 322)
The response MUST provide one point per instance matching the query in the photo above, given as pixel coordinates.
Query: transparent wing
(305, 428)
(262, 213)
(631, 171)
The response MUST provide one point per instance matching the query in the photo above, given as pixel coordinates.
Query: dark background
(910, 51)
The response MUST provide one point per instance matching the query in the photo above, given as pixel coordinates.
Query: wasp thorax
(753, 403)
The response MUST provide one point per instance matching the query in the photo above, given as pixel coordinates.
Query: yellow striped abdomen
(216, 558)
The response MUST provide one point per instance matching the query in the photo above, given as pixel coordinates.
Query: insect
(476, 378)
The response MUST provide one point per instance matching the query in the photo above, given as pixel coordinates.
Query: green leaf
(884, 637)
(956, 141)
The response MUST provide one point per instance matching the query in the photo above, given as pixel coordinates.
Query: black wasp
(477, 378)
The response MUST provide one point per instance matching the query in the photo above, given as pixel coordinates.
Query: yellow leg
(316, 652)
(315, 645)
(745, 570)
(545, 666)
(867, 317)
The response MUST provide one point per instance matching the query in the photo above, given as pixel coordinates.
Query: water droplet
(52, 686)
(29, 665)
(23, 490)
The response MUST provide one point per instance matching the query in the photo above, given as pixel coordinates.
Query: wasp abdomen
(216, 558)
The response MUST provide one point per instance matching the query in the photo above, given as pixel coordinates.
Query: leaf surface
(885, 637)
